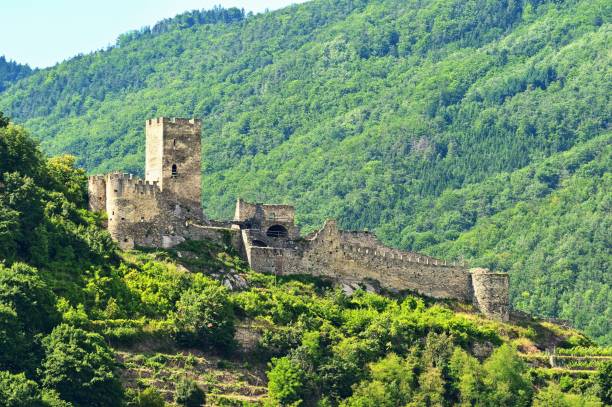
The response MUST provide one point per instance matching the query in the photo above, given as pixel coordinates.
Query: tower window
(173, 142)
(174, 170)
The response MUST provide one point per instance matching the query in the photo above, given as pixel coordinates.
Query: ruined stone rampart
(96, 191)
(164, 210)
(491, 292)
(352, 257)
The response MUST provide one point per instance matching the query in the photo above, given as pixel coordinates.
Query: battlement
(395, 257)
(97, 178)
(123, 184)
(173, 120)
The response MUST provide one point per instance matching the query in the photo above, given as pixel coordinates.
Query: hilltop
(461, 129)
(11, 71)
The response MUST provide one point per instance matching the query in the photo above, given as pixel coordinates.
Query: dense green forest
(70, 303)
(11, 71)
(459, 128)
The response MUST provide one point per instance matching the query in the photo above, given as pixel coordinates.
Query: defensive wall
(164, 210)
(354, 256)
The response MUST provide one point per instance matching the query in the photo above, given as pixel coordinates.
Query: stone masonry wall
(96, 191)
(491, 292)
(175, 143)
(263, 216)
(351, 257)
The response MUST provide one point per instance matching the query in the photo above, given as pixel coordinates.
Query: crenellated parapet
(123, 185)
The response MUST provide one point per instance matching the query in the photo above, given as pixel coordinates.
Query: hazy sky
(43, 32)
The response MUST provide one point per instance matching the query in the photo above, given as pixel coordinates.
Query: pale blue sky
(43, 32)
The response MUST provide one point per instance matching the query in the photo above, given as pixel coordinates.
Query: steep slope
(548, 225)
(372, 112)
(85, 324)
(11, 71)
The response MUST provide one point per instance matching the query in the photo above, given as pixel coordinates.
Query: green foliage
(4, 121)
(553, 242)
(22, 289)
(286, 382)
(188, 393)
(10, 72)
(149, 397)
(553, 396)
(469, 374)
(604, 380)
(392, 383)
(17, 391)
(205, 318)
(433, 377)
(27, 309)
(80, 367)
(42, 216)
(505, 379)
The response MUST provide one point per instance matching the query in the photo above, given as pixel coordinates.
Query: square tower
(173, 158)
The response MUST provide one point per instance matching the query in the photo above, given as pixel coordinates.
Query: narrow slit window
(174, 170)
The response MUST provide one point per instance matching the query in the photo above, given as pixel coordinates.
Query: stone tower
(173, 158)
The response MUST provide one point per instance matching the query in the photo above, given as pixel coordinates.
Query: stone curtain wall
(352, 257)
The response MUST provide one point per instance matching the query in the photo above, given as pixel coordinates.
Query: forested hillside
(430, 122)
(11, 71)
(83, 324)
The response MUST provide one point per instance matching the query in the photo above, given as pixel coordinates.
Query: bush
(604, 379)
(14, 344)
(149, 397)
(188, 393)
(80, 367)
(17, 391)
(286, 381)
(205, 318)
(26, 292)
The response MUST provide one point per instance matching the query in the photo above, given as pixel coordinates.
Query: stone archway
(277, 231)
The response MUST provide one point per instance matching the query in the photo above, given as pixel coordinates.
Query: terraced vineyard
(579, 359)
(226, 383)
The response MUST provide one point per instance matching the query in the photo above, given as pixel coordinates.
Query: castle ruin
(165, 209)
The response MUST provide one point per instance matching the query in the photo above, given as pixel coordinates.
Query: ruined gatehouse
(164, 209)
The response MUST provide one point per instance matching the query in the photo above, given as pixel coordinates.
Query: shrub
(149, 397)
(286, 381)
(26, 292)
(206, 318)
(604, 379)
(14, 344)
(17, 391)
(188, 393)
(80, 367)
